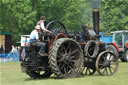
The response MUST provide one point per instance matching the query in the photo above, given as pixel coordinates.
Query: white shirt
(34, 35)
(42, 25)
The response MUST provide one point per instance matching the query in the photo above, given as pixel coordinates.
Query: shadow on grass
(57, 78)
(81, 76)
(53, 78)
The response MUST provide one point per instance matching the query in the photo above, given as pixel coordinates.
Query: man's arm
(43, 28)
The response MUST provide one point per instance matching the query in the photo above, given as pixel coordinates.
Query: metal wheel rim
(68, 58)
(106, 69)
(56, 22)
(91, 49)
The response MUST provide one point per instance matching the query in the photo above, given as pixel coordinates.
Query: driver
(34, 38)
(41, 23)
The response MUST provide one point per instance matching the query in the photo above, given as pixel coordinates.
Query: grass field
(10, 74)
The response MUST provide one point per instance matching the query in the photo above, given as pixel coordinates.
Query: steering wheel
(56, 26)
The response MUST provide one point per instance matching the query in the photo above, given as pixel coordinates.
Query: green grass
(10, 74)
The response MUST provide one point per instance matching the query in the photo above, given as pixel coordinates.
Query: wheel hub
(67, 58)
(107, 63)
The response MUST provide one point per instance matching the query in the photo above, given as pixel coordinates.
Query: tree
(114, 15)
(20, 16)
(17, 17)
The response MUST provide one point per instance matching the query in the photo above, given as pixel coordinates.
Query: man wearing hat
(34, 37)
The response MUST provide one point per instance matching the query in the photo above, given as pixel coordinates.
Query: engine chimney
(96, 21)
(95, 6)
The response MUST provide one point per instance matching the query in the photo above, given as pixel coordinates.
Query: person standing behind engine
(41, 23)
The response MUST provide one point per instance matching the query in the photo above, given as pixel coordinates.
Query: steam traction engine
(69, 54)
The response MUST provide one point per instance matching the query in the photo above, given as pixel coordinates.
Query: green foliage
(114, 15)
(21, 16)
(17, 17)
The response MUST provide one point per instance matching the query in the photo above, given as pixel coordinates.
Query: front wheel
(107, 63)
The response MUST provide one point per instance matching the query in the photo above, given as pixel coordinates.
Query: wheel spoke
(108, 56)
(72, 57)
(65, 71)
(71, 64)
(60, 54)
(74, 51)
(86, 72)
(60, 59)
(61, 50)
(110, 70)
(104, 58)
(102, 67)
(73, 61)
(65, 62)
(106, 71)
(111, 58)
(64, 49)
(62, 66)
(71, 68)
(68, 47)
(89, 71)
(70, 50)
(112, 67)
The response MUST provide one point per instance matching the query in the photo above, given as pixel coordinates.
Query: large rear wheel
(66, 58)
(89, 67)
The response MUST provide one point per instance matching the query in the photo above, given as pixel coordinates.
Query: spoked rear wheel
(89, 68)
(107, 63)
(88, 71)
(66, 58)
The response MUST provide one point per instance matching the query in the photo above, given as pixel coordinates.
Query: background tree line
(20, 16)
